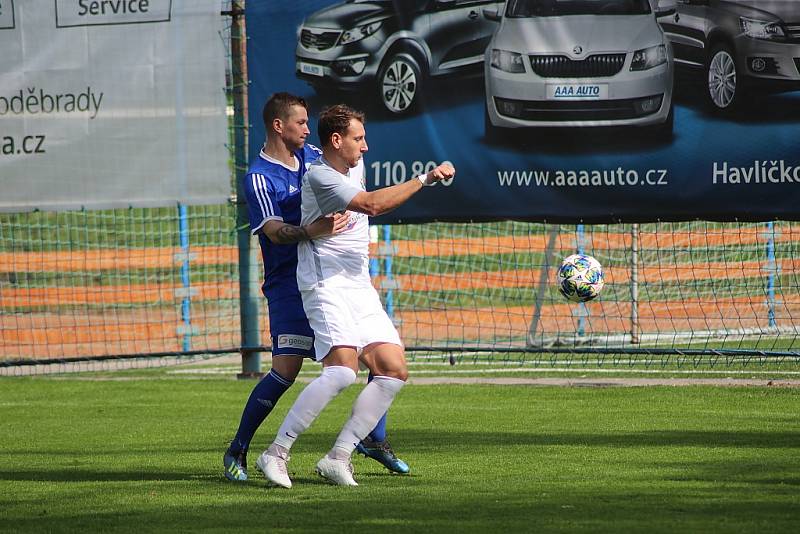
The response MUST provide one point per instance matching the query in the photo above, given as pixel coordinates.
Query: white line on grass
(445, 372)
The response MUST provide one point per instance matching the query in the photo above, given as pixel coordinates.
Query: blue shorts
(291, 333)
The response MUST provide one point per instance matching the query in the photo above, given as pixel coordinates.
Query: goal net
(670, 287)
(157, 281)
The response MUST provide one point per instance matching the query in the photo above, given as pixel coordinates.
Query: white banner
(111, 103)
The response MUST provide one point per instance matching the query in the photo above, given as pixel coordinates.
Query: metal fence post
(186, 303)
(635, 284)
(248, 298)
(583, 310)
(387, 270)
(772, 269)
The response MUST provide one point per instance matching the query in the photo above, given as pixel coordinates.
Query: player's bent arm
(381, 201)
(282, 233)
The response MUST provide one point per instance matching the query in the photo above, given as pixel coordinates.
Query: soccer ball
(580, 278)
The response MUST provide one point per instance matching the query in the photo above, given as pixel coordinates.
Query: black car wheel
(724, 89)
(400, 84)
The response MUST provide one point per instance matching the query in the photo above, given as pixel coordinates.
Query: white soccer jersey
(340, 260)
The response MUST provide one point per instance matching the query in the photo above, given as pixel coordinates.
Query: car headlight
(358, 33)
(762, 29)
(507, 61)
(647, 58)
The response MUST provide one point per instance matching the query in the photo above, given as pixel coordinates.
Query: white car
(579, 63)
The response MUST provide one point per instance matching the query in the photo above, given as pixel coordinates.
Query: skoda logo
(578, 50)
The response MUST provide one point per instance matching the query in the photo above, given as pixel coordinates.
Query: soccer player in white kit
(343, 308)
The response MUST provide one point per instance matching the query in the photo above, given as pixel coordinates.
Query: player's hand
(328, 225)
(445, 171)
(340, 221)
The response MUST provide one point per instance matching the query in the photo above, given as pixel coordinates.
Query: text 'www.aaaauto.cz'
(584, 178)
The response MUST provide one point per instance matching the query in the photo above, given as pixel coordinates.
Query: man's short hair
(279, 106)
(336, 119)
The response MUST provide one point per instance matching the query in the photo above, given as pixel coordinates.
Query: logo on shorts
(295, 341)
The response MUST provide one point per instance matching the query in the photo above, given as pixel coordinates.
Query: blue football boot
(235, 465)
(382, 452)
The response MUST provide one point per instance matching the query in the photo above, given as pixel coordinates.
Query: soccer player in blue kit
(272, 188)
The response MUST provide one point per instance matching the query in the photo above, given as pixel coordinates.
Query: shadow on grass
(83, 474)
(543, 508)
(419, 443)
(659, 438)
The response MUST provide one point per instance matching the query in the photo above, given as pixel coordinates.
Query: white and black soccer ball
(580, 278)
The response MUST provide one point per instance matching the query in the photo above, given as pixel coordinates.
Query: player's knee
(288, 367)
(387, 360)
(339, 376)
(400, 372)
(400, 368)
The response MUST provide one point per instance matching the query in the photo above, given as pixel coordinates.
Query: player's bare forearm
(292, 234)
(282, 233)
(385, 200)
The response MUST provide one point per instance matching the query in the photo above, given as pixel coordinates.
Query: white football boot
(273, 463)
(337, 471)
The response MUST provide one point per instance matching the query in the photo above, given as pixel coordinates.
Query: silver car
(391, 47)
(578, 63)
(737, 46)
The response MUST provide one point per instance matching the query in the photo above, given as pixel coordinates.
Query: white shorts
(347, 316)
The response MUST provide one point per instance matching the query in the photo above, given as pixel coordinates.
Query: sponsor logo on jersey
(353, 219)
(295, 341)
(292, 189)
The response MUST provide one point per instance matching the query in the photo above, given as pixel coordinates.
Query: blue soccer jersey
(273, 193)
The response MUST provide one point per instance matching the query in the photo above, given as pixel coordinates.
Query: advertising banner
(111, 103)
(554, 110)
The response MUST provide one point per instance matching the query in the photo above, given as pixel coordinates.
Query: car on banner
(579, 63)
(737, 47)
(391, 47)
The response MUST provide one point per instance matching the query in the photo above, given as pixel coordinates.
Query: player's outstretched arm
(282, 233)
(384, 200)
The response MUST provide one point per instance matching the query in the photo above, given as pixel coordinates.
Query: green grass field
(143, 453)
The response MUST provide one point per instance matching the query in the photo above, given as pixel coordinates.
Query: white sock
(311, 401)
(370, 406)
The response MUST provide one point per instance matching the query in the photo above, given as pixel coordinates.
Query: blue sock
(379, 432)
(262, 399)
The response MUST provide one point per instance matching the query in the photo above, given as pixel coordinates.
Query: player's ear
(336, 140)
(277, 125)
